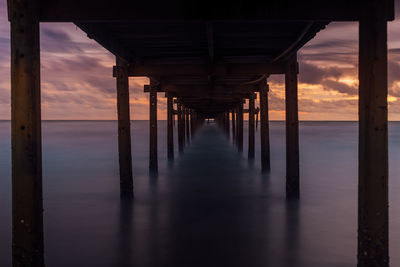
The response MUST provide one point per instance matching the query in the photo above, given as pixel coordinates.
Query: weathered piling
(292, 130)
(187, 126)
(27, 204)
(170, 127)
(240, 127)
(227, 124)
(264, 129)
(181, 128)
(184, 124)
(251, 127)
(237, 126)
(124, 129)
(373, 237)
(153, 159)
(233, 125)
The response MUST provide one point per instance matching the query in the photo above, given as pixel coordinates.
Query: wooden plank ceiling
(210, 65)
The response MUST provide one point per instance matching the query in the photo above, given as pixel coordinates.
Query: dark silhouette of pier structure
(209, 57)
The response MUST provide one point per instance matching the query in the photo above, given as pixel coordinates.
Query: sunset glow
(77, 80)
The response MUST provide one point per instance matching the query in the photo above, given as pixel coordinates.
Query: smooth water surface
(210, 207)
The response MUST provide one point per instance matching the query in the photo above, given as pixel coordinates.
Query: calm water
(211, 207)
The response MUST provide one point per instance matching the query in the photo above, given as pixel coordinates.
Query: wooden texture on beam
(216, 69)
(251, 127)
(264, 125)
(170, 127)
(107, 10)
(153, 159)
(373, 230)
(205, 88)
(27, 203)
(292, 131)
(124, 130)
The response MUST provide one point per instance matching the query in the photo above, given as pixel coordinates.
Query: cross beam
(217, 69)
(198, 89)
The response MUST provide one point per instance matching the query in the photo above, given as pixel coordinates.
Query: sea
(210, 206)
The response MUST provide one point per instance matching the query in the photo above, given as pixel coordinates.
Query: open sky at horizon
(77, 80)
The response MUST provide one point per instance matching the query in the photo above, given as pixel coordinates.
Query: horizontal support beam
(284, 10)
(204, 89)
(218, 69)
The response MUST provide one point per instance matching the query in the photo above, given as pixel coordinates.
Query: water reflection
(124, 248)
(209, 207)
(292, 235)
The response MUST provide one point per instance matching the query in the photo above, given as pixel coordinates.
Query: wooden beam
(120, 10)
(216, 69)
(153, 158)
(264, 133)
(201, 89)
(170, 130)
(373, 230)
(26, 140)
(292, 131)
(124, 130)
(251, 127)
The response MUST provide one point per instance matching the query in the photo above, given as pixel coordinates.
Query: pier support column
(227, 124)
(153, 160)
(170, 127)
(233, 125)
(181, 128)
(184, 124)
(264, 133)
(292, 131)
(237, 127)
(27, 204)
(124, 130)
(251, 127)
(240, 127)
(373, 245)
(187, 126)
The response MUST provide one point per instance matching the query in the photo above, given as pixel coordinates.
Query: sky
(77, 82)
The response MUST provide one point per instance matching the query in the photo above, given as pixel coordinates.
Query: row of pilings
(231, 123)
(27, 194)
(184, 118)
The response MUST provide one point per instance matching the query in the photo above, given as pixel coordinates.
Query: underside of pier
(209, 57)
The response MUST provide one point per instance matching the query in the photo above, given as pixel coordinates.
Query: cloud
(53, 34)
(313, 74)
(339, 87)
(77, 80)
(339, 44)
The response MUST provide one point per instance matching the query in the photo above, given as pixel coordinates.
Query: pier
(208, 58)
